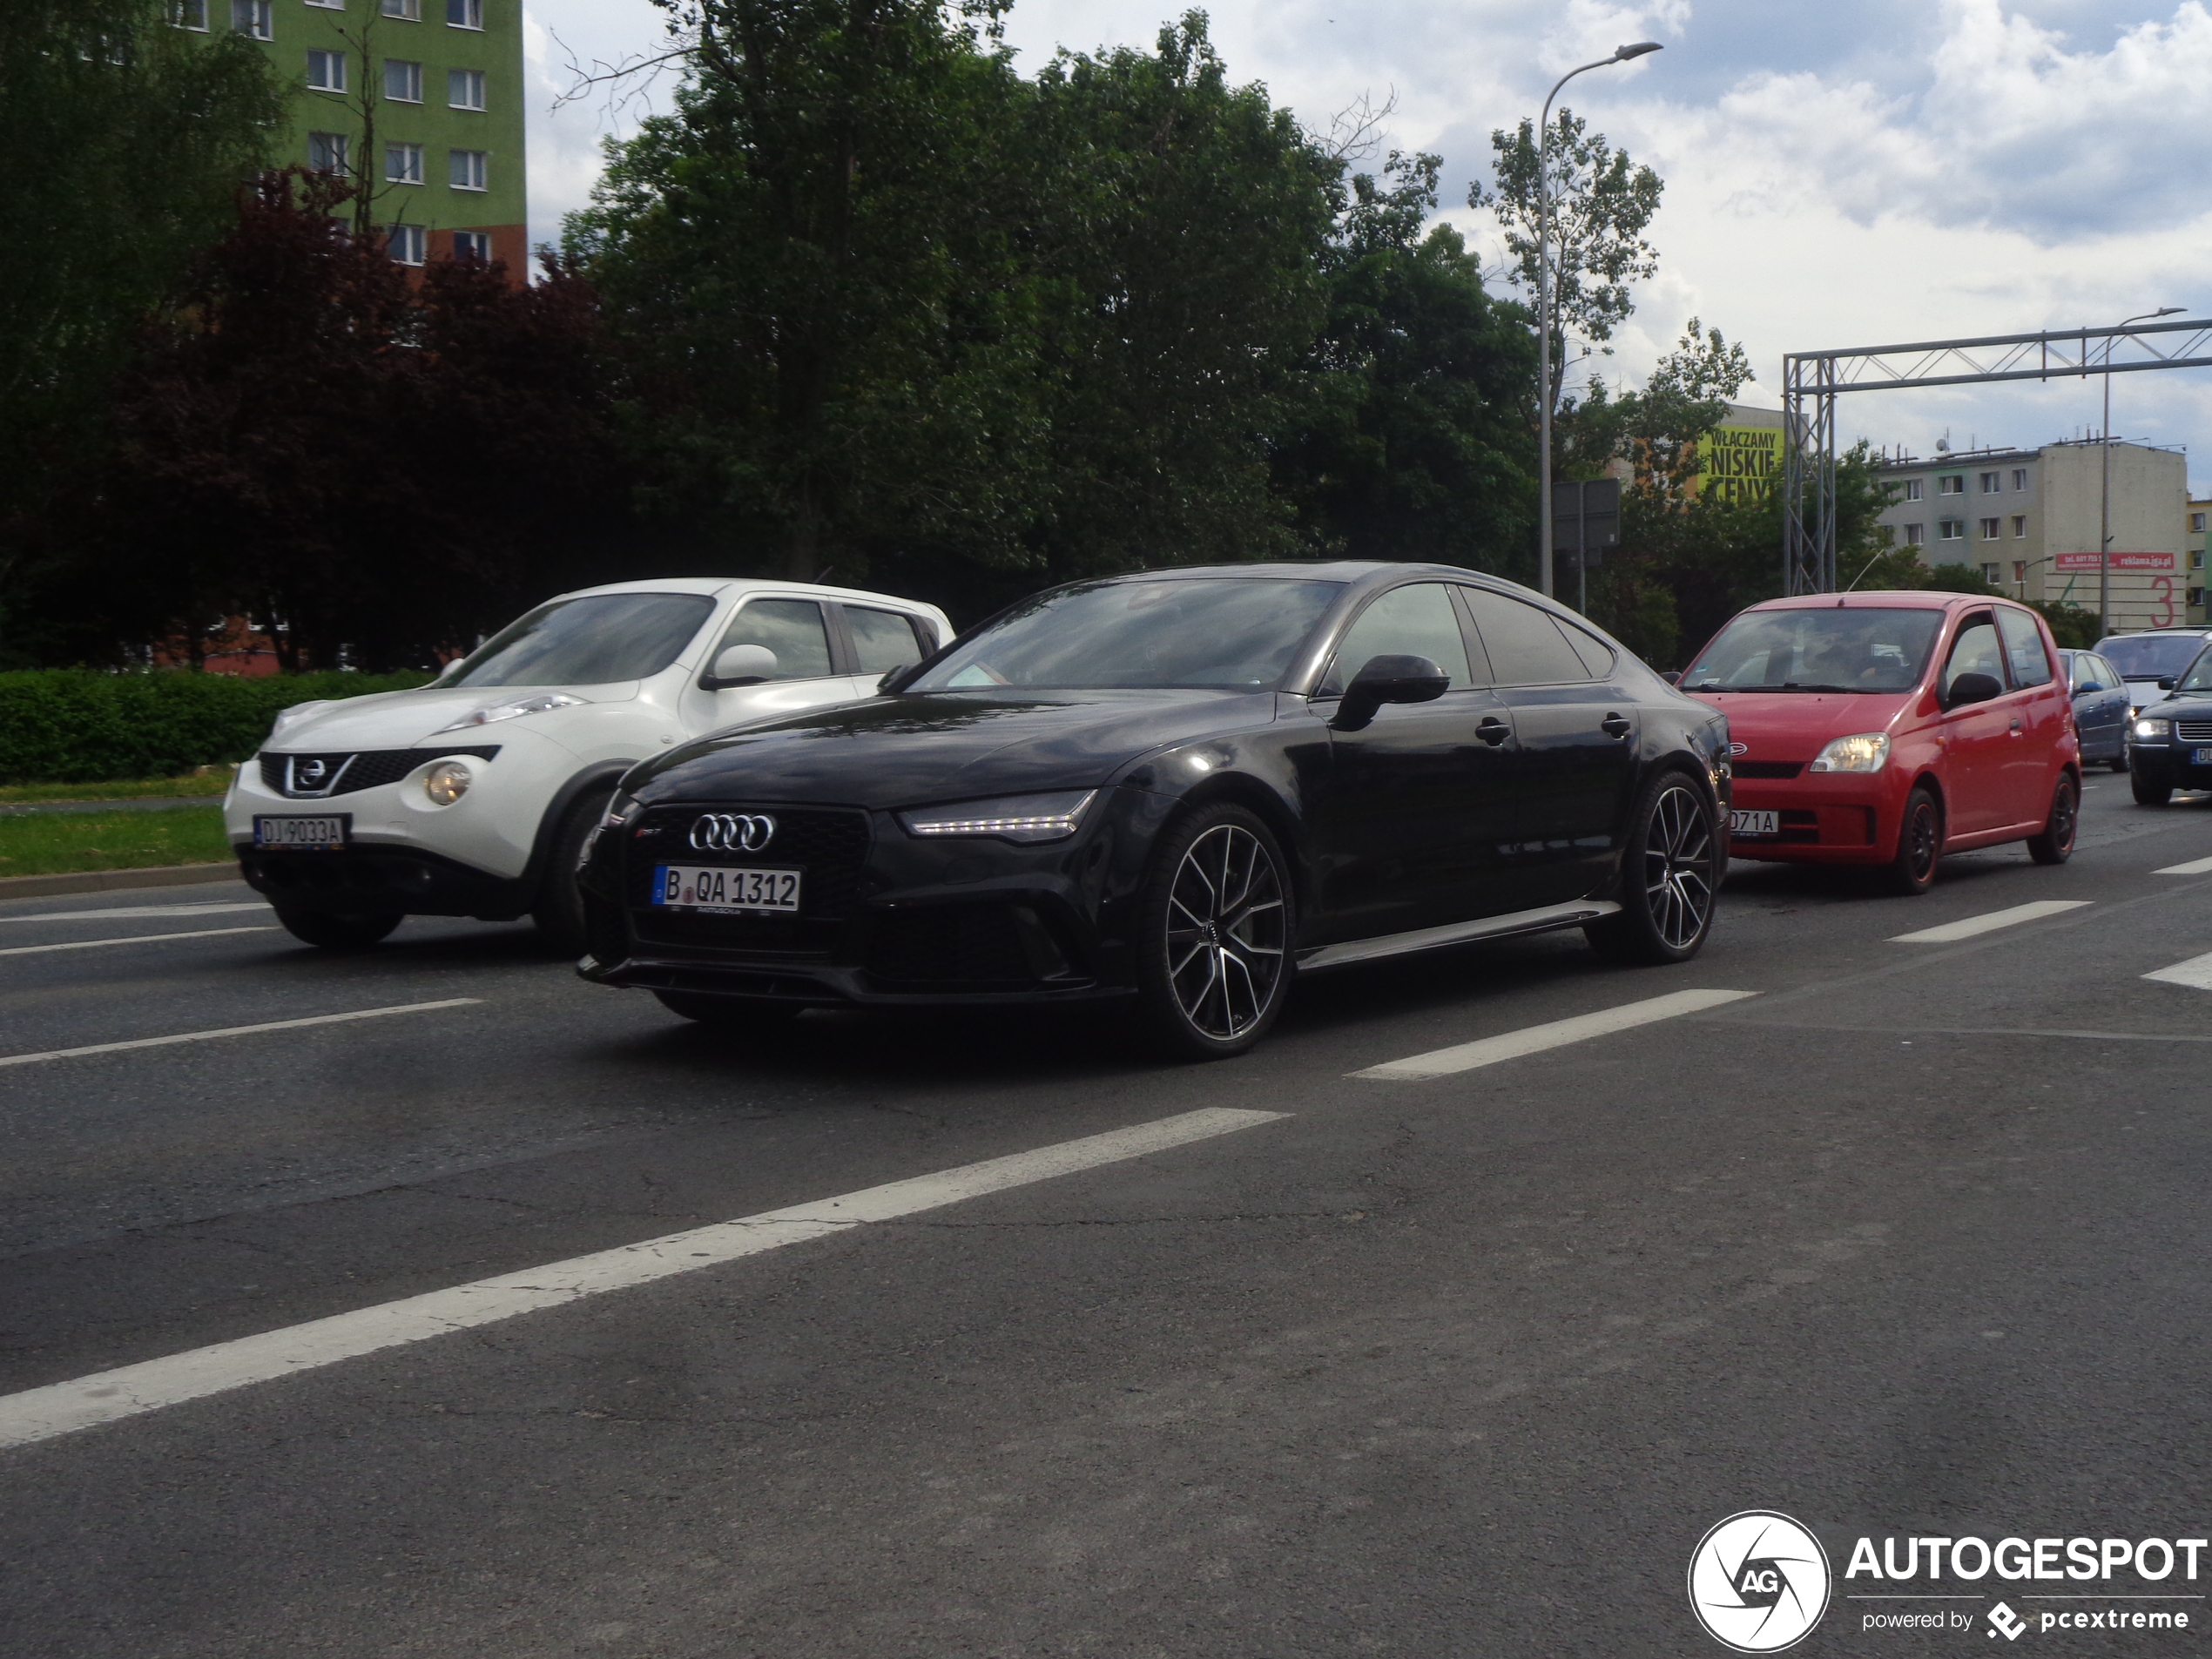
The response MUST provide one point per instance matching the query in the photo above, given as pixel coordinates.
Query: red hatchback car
(1887, 729)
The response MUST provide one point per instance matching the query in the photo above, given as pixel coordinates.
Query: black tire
(2149, 789)
(1215, 929)
(1920, 847)
(1670, 875)
(2119, 762)
(559, 910)
(728, 1011)
(338, 930)
(2054, 844)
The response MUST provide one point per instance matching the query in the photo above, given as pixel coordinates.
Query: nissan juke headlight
(509, 710)
(1025, 819)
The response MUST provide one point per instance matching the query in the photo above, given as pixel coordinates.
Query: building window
(465, 88)
(402, 81)
(2019, 478)
(329, 5)
(407, 10)
(466, 169)
(403, 163)
(2196, 558)
(189, 14)
(1989, 482)
(405, 243)
(472, 245)
(1953, 485)
(2020, 527)
(1989, 529)
(2196, 523)
(1913, 489)
(1951, 529)
(465, 14)
(2020, 571)
(253, 17)
(327, 152)
(1989, 574)
(1916, 534)
(2194, 597)
(327, 71)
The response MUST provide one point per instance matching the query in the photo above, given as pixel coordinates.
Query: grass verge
(208, 780)
(61, 843)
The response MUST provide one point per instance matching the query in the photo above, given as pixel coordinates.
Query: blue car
(2100, 708)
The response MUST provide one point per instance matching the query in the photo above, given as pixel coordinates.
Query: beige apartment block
(2028, 520)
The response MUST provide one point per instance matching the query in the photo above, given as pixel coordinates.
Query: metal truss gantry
(1812, 380)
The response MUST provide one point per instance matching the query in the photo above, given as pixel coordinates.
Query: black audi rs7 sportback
(1179, 788)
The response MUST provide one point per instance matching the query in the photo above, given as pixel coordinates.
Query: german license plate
(713, 887)
(1754, 823)
(2203, 758)
(325, 834)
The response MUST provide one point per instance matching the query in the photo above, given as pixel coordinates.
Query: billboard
(2120, 562)
(1739, 464)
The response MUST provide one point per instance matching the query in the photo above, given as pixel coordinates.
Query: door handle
(1614, 725)
(1492, 730)
(2016, 729)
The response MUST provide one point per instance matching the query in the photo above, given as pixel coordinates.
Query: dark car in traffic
(2102, 708)
(1178, 788)
(2170, 742)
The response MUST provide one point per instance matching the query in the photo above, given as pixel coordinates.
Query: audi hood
(906, 750)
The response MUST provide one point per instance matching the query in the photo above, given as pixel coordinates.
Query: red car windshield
(1840, 649)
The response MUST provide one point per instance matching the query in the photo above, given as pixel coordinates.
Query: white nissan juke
(472, 796)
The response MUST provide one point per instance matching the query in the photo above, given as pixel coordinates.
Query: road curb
(172, 875)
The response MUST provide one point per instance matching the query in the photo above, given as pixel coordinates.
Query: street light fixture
(1621, 55)
(2104, 499)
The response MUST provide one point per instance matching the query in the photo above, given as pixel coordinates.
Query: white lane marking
(2196, 971)
(139, 910)
(1487, 1051)
(62, 1408)
(2195, 867)
(237, 1030)
(135, 938)
(1974, 926)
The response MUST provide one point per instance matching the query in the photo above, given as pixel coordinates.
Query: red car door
(2038, 709)
(1976, 737)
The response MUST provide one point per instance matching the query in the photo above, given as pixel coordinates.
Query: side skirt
(1543, 919)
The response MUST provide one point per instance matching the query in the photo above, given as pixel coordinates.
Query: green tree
(123, 136)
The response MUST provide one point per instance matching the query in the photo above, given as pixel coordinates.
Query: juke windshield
(1227, 633)
(593, 641)
(1845, 649)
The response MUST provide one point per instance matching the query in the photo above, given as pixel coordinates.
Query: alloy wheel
(1678, 866)
(2064, 814)
(1920, 832)
(1226, 932)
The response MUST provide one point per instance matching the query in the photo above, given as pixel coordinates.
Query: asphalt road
(1913, 1240)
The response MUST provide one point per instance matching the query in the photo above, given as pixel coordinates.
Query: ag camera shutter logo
(1758, 1581)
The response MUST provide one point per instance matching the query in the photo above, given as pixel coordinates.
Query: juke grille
(358, 769)
(828, 844)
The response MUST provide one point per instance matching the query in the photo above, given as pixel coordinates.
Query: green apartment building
(419, 101)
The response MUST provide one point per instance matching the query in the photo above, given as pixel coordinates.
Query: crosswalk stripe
(1557, 1033)
(1973, 927)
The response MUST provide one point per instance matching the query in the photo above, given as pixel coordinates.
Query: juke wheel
(338, 930)
(1920, 847)
(1215, 930)
(1670, 871)
(559, 910)
(2055, 844)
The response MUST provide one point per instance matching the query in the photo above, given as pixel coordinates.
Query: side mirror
(1673, 676)
(1388, 679)
(2165, 682)
(740, 665)
(1972, 688)
(891, 678)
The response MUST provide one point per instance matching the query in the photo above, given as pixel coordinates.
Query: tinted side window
(2024, 649)
(1975, 652)
(1416, 621)
(883, 639)
(1596, 655)
(791, 628)
(1526, 646)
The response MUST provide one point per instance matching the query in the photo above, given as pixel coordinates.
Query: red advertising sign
(2120, 562)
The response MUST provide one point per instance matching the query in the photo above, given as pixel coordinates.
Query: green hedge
(68, 726)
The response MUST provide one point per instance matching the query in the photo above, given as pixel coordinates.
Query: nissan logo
(732, 831)
(309, 772)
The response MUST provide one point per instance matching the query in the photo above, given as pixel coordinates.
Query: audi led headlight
(2152, 728)
(509, 710)
(1861, 751)
(1023, 818)
(447, 782)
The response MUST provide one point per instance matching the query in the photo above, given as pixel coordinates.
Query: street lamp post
(1621, 55)
(2104, 494)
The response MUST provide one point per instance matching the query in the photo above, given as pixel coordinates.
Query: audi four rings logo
(732, 832)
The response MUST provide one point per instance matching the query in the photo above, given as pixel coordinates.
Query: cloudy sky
(1837, 174)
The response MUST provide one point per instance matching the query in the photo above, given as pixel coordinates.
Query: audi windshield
(1233, 633)
(1847, 648)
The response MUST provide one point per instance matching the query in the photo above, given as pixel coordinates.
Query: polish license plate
(720, 887)
(1754, 823)
(2202, 757)
(326, 834)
